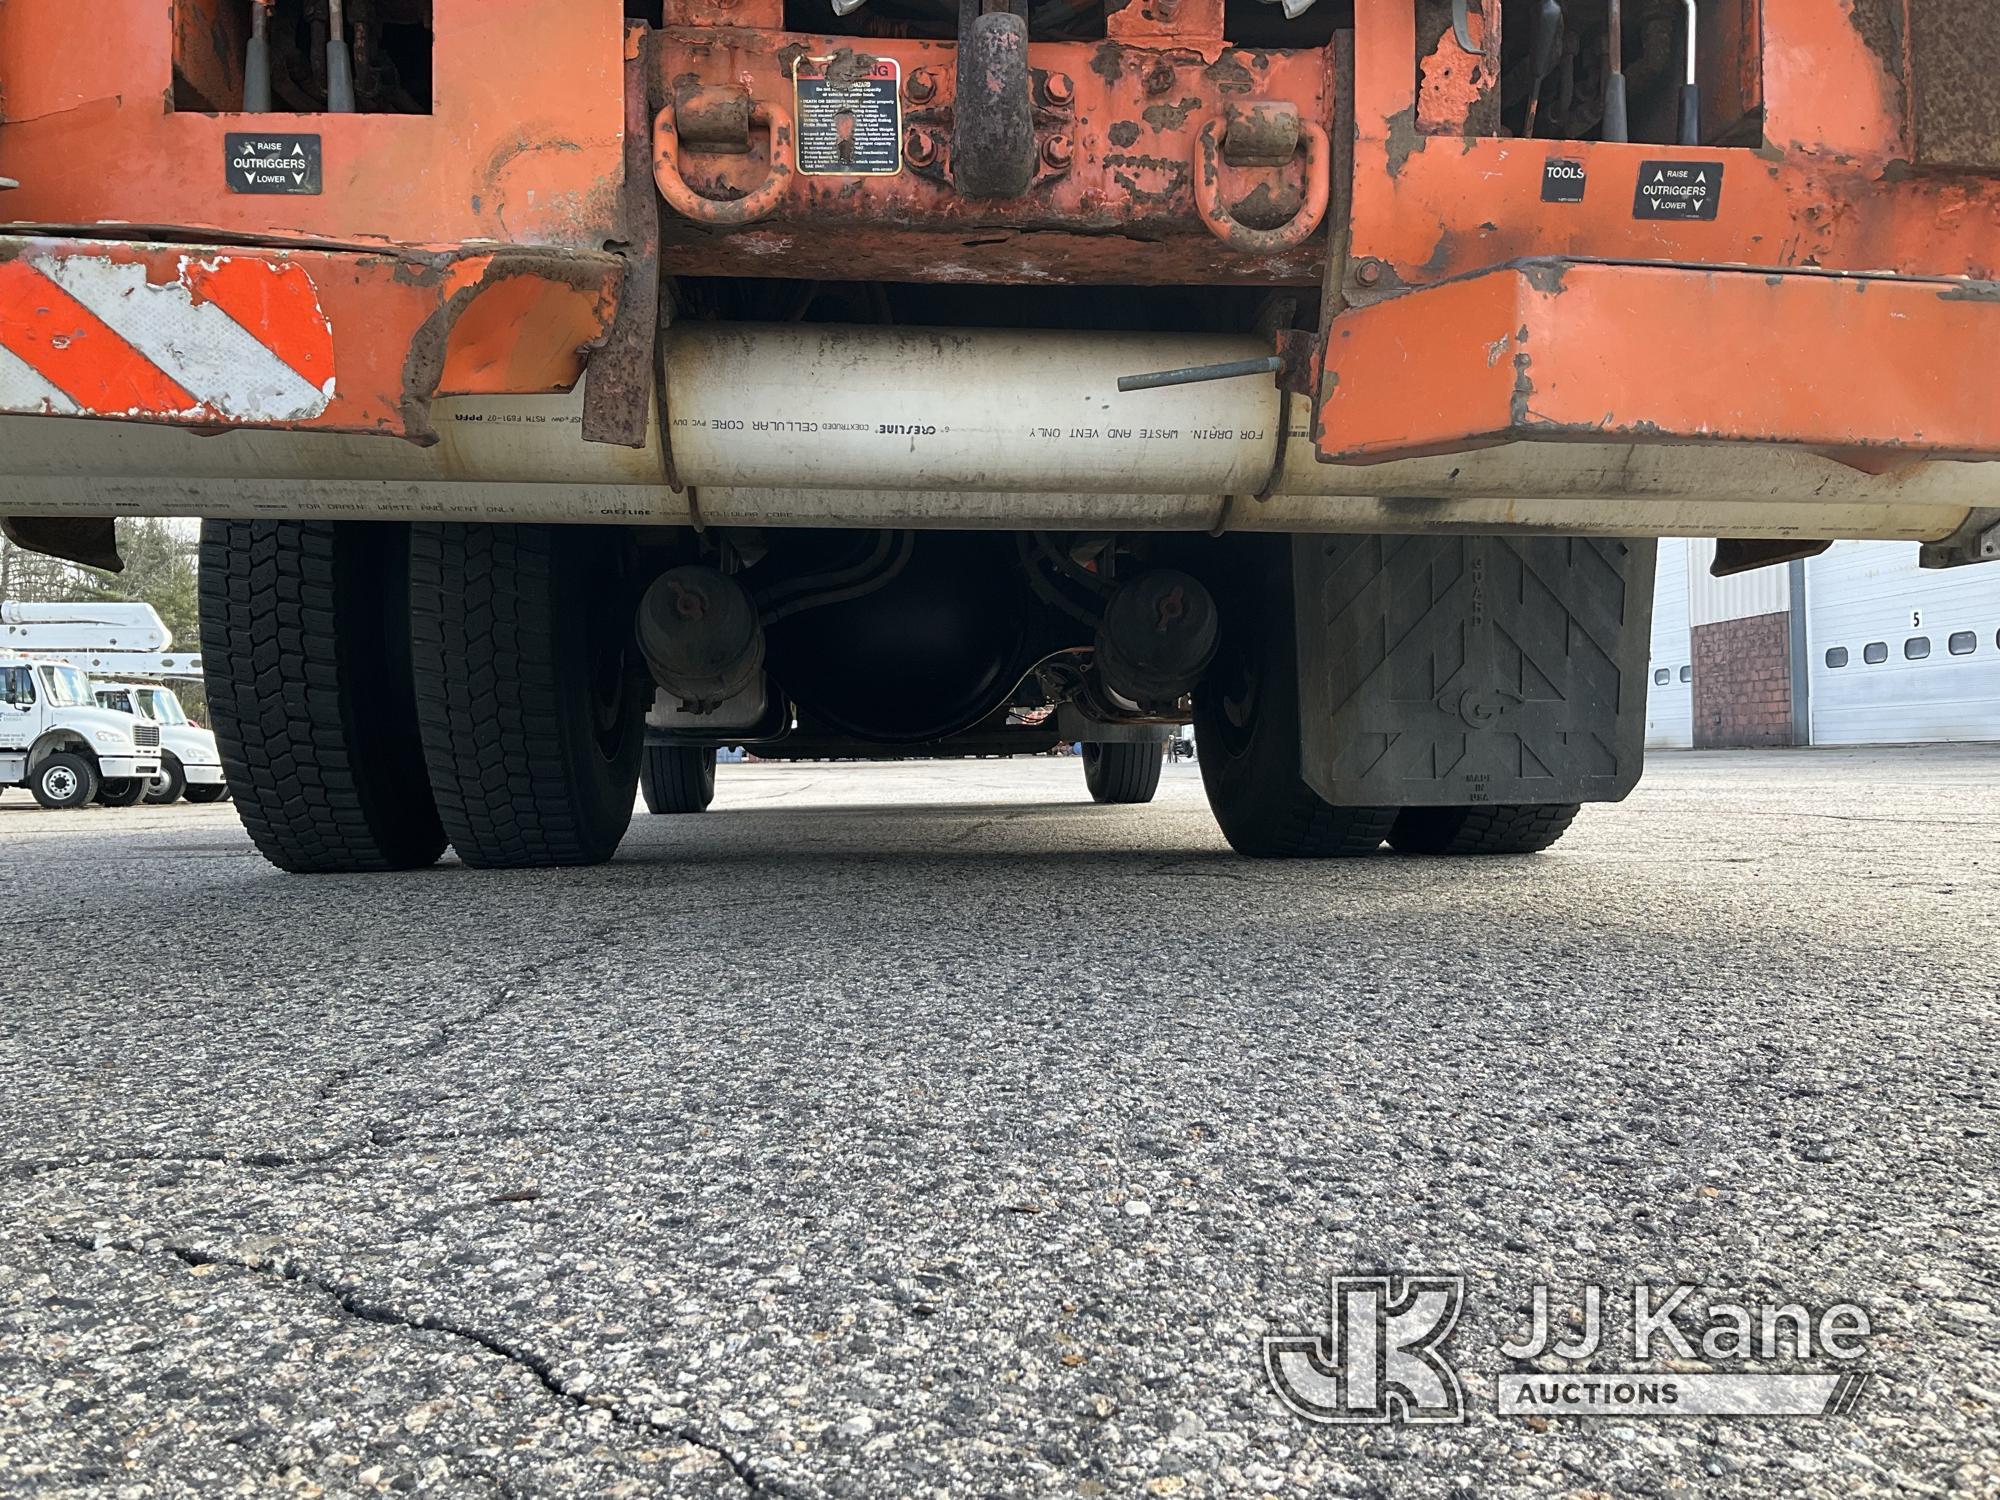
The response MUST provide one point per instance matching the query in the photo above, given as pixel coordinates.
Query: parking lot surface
(926, 1130)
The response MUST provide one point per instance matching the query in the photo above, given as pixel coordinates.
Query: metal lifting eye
(1461, 25)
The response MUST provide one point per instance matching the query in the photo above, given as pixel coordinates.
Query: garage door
(1897, 653)
(1670, 695)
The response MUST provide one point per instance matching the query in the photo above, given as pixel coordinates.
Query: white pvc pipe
(962, 409)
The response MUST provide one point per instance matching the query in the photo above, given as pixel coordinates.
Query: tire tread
(677, 778)
(1124, 773)
(484, 633)
(1502, 828)
(317, 746)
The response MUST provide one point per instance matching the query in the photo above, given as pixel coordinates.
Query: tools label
(1678, 190)
(850, 115)
(287, 163)
(1563, 180)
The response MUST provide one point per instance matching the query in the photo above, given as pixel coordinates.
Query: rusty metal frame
(1527, 319)
(1117, 191)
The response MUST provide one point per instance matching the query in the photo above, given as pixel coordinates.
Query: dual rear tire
(379, 690)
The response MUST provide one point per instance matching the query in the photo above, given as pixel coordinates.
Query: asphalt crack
(443, 1034)
(354, 1304)
(375, 1135)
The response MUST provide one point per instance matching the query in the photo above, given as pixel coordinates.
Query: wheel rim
(157, 783)
(60, 783)
(1236, 703)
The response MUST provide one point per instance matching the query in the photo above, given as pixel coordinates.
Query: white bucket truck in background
(62, 739)
(60, 744)
(189, 760)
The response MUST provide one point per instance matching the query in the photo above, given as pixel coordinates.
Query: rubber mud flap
(1461, 670)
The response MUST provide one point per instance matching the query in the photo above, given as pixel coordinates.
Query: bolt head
(1057, 89)
(919, 148)
(1159, 78)
(1056, 151)
(921, 86)
(1369, 273)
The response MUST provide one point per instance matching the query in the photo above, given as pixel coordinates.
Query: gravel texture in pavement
(926, 1130)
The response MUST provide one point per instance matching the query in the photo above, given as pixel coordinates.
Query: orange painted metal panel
(523, 145)
(386, 333)
(1832, 188)
(1876, 371)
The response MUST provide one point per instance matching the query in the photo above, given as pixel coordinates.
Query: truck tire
(1246, 721)
(678, 778)
(165, 789)
(208, 791)
(530, 697)
(1506, 828)
(1122, 772)
(120, 791)
(305, 636)
(65, 779)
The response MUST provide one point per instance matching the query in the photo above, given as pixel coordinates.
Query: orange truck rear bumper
(224, 336)
(1837, 293)
(1878, 373)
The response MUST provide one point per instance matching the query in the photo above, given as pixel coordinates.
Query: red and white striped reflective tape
(229, 339)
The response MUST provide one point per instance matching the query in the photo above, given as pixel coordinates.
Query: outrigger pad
(1453, 670)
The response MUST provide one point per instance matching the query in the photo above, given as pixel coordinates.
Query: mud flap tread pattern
(1438, 671)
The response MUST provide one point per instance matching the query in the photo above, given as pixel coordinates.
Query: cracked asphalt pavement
(926, 1130)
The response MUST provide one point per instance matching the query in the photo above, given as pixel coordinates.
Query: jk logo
(1380, 1359)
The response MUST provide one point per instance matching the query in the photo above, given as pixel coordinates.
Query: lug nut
(1057, 90)
(921, 86)
(919, 148)
(1056, 152)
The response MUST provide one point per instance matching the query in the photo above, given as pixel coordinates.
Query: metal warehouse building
(1858, 646)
